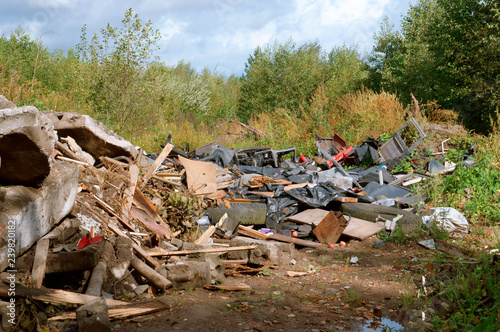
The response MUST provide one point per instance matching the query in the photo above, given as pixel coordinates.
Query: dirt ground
(335, 295)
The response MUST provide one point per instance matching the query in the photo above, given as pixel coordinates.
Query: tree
(345, 72)
(117, 59)
(447, 52)
(280, 76)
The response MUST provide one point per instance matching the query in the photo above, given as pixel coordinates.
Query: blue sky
(218, 34)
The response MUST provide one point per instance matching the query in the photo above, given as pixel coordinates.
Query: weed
(352, 297)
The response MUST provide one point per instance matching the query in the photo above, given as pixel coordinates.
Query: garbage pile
(87, 218)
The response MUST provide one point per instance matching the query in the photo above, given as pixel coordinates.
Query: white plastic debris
(446, 218)
(354, 259)
(87, 223)
(430, 244)
(203, 221)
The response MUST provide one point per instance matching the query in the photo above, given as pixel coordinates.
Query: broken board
(201, 176)
(310, 217)
(330, 228)
(360, 229)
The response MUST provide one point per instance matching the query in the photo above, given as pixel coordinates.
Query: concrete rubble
(74, 190)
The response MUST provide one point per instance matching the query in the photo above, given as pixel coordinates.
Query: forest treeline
(446, 54)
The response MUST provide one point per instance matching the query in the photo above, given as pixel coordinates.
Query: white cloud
(51, 3)
(170, 28)
(210, 33)
(342, 12)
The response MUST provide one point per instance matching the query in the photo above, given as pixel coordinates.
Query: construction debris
(80, 199)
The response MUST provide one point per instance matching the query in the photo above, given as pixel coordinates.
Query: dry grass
(366, 113)
(436, 114)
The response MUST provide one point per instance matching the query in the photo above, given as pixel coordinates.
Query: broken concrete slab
(186, 274)
(27, 139)
(30, 213)
(5, 103)
(276, 253)
(91, 135)
(93, 316)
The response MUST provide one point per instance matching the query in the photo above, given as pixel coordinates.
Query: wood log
(54, 295)
(39, 264)
(85, 259)
(151, 275)
(99, 273)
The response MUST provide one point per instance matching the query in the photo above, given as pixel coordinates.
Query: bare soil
(335, 295)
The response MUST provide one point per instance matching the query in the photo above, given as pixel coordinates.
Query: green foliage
(345, 72)
(475, 188)
(474, 297)
(280, 76)
(447, 51)
(116, 60)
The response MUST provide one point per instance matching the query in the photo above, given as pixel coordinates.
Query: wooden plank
(346, 199)
(361, 229)
(205, 236)
(167, 181)
(200, 175)
(243, 200)
(252, 233)
(130, 190)
(196, 251)
(67, 152)
(217, 195)
(122, 311)
(110, 210)
(309, 217)
(289, 239)
(159, 160)
(151, 260)
(234, 287)
(40, 262)
(266, 193)
(55, 295)
(296, 185)
(235, 261)
(453, 249)
(330, 228)
(143, 201)
(146, 213)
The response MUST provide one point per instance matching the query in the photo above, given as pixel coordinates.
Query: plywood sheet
(201, 176)
(309, 217)
(361, 229)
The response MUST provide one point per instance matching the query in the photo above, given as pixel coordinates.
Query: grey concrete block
(277, 253)
(91, 135)
(217, 267)
(27, 139)
(93, 316)
(5, 103)
(31, 213)
(186, 274)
